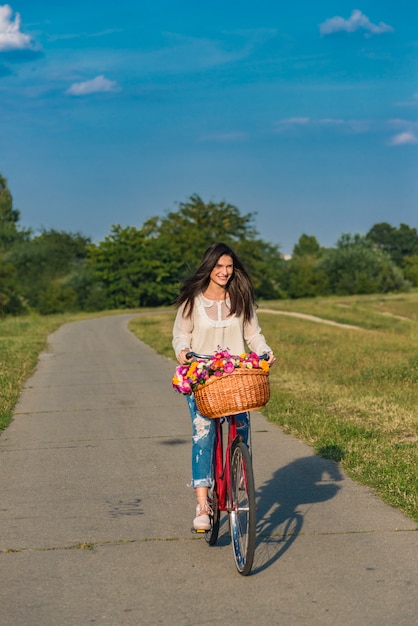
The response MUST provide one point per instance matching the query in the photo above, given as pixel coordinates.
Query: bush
(355, 266)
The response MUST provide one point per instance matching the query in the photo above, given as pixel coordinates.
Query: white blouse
(211, 327)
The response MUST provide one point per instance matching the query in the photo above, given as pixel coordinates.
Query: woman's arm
(182, 335)
(256, 340)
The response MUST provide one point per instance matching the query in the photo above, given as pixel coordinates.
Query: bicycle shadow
(306, 480)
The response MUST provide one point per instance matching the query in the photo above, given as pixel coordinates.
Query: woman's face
(222, 271)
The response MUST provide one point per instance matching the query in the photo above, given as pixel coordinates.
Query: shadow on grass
(333, 452)
(307, 480)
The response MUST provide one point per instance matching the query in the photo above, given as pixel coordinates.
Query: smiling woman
(216, 309)
(219, 277)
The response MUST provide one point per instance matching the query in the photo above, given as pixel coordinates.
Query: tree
(132, 269)
(9, 218)
(355, 266)
(265, 265)
(410, 269)
(10, 235)
(303, 278)
(187, 232)
(144, 267)
(89, 290)
(10, 302)
(50, 256)
(397, 242)
(182, 236)
(307, 245)
(57, 298)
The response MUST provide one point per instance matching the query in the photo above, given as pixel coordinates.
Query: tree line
(56, 271)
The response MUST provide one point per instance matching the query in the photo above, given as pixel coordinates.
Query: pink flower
(185, 387)
(229, 367)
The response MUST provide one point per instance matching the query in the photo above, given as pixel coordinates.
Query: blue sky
(303, 112)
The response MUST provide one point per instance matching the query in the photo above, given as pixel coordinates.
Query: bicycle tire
(242, 513)
(211, 535)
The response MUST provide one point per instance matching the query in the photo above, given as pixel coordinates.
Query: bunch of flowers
(188, 377)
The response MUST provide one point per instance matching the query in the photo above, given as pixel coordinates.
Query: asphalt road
(95, 512)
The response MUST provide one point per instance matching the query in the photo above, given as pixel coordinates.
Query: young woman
(216, 309)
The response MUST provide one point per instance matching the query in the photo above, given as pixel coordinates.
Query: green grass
(350, 394)
(370, 312)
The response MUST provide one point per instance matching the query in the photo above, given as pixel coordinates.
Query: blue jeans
(203, 440)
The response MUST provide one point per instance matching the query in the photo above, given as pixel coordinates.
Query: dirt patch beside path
(311, 318)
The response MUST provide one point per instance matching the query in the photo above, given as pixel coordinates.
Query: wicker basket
(242, 390)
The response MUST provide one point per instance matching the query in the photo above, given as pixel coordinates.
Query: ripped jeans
(203, 441)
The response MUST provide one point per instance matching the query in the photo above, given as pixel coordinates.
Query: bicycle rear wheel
(211, 535)
(242, 512)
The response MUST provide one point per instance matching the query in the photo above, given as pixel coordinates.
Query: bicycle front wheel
(242, 511)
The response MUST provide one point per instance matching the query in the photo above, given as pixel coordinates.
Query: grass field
(352, 394)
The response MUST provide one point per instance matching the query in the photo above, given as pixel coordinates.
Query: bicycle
(233, 489)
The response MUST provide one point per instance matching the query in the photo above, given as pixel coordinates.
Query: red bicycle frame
(222, 465)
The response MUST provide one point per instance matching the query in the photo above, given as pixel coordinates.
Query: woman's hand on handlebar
(181, 357)
(271, 358)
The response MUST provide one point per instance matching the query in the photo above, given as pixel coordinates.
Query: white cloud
(402, 139)
(398, 122)
(408, 103)
(11, 38)
(100, 84)
(65, 36)
(292, 122)
(404, 132)
(355, 126)
(356, 21)
(298, 121)
(225, 137)
(352, 126)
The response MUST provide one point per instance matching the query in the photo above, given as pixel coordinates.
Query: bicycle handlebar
(192, 354)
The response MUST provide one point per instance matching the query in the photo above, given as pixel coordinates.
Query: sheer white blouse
(211, 327)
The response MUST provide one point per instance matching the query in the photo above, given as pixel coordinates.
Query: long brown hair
(239, 286)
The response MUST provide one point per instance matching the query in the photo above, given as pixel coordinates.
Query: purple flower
(185, 387)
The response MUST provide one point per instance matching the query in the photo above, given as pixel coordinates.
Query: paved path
(95, 513)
